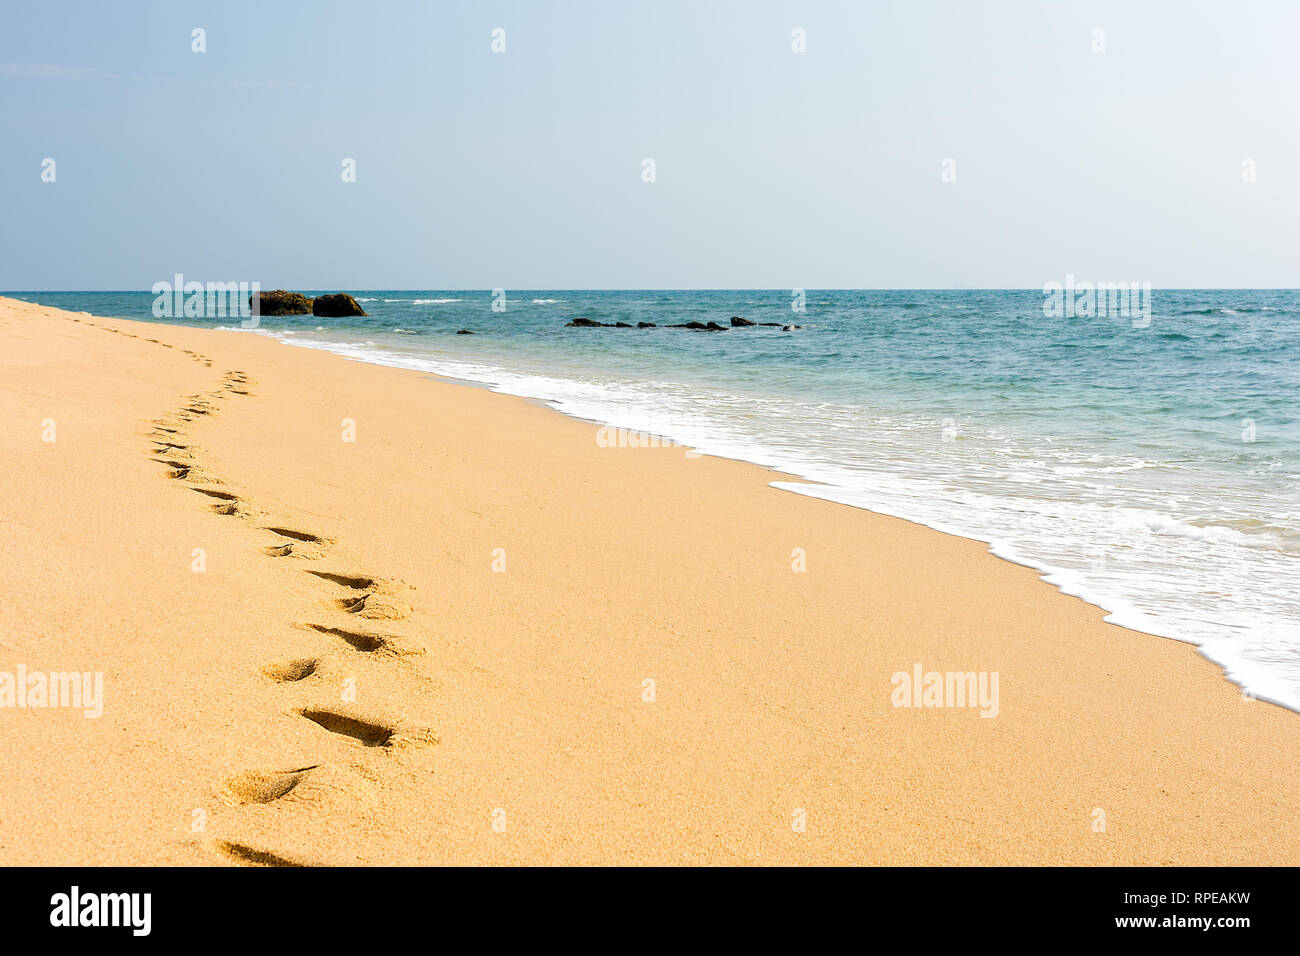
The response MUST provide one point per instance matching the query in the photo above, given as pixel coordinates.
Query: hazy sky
(774, 169)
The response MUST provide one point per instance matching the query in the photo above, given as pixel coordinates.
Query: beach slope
(346, 614)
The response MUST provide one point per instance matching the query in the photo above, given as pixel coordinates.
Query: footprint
(227, 504)
(378, 600)
(367, 642)
(301, 544)
(172, 449)
(372, 733)
(291, 671)
(357, 581)
(298, 535)
(188, 471)
(377, 607)
(213, 493)
(264, 786)
(253, 856)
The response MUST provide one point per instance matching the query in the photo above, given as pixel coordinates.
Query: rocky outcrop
(279, 302)
(695, 326)
(336, 305)
(738, 323)
(464, 332)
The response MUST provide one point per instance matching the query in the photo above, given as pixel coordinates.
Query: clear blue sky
(774, 169)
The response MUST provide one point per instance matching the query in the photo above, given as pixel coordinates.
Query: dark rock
(622, 325)
(738, 323)
(698, 326)
(646, 325)
(790, 328)
(464, 332)
(338, 304)
(775, 325)
(585, 324)
(279, 302)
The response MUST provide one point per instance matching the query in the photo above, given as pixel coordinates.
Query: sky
(1116, 156)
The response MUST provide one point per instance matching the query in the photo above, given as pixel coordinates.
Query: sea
(1148, 465)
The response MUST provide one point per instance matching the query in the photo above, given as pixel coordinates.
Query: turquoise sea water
(1154, 471)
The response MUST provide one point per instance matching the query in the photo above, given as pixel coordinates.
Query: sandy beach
(347, 614)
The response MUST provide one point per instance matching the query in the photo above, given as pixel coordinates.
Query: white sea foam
(433, 301)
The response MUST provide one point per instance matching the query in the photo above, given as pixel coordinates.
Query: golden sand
(473, 635)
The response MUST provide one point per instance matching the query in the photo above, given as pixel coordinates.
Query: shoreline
(1118, 610)
(521, 690)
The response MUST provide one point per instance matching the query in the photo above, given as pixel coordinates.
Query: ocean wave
(1159, 522)
(434, 301)
(1240, 310)
(545, 301)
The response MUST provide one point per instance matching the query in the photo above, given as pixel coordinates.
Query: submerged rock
(279, 302)
(693, 326)
(738, 323)
(464, 332)
(338, 304)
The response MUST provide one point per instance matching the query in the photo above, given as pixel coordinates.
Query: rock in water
(279, 302)
(738, 323)
(464, 332)
(584, 324)
(338, 304)
(645, 325)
